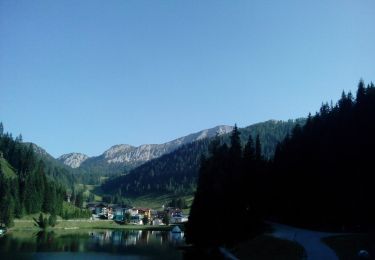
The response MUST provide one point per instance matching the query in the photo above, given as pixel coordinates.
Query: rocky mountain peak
(73, 160)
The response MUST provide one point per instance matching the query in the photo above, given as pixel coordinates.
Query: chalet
(101, 209)
(157, 222)
(136, 220)
(161, 214)
(119, 212)
(113, 209)
(173, 211)
(91, 206)
(179, 219)
(132, 211)
(154, 214)
(146, 212)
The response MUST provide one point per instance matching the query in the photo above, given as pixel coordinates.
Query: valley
(187, 129)
(161, 187)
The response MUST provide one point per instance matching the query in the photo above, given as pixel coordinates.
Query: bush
(166, 219)
(145, 220)
(52, 220)
(41, 222)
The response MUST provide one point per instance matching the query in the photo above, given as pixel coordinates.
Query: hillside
(177, 172)
(322, 177)
(73, 160)
(122, 158)
(329, 164)
(24, 185)
(6, 169)
(56, 170)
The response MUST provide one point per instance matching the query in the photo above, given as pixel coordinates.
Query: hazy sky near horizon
(81, 76)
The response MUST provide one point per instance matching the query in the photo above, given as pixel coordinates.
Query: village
(126, 214)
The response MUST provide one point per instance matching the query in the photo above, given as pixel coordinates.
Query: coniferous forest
(177, 172)
(24, 185)
(321, 177)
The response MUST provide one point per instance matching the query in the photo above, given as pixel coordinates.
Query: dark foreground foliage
(324, 174)
(177, 172)
(322, 177)
(223, 211)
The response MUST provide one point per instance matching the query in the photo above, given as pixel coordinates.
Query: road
(310, 240)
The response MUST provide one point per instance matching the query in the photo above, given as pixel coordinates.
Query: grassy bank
(266, 247)
(26, 224)
(155, 201)
(151, 200)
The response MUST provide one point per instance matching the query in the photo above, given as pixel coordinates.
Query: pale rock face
(124, 153)
(73, 160)
(131, 155)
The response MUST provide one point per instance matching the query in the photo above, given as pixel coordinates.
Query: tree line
(177, 172)
(27, 190)
(321, 177)
(323, 174)
(223, 210)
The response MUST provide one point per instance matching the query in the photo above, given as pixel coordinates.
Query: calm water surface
(91, 244)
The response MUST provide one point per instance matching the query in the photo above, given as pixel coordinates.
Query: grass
(7, 169)
(26, 224)
(348, 246)
(90, 189)
(66, 207)
(266, 247)
(155, 201)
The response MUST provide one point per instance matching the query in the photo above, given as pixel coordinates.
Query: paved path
(310, 240)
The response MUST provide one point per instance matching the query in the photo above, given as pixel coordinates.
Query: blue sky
(81, 76)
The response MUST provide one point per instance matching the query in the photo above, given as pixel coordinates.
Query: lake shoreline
(72, 224)
(91, 244)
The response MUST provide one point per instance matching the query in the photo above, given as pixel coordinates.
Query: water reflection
(135, 237)
(154, 244)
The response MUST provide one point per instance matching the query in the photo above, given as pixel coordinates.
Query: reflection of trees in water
(110, 241)
(10, 244)
(50, 241)
(44, 240)
(144, 237)
(135, 237)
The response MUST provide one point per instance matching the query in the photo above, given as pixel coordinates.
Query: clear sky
(81, 76)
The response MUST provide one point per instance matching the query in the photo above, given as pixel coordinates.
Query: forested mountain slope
(123, 157)
(322, 177)
(326, 169)
(24, 185)
(177, 172)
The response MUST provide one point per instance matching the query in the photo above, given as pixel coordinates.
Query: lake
(91, 244)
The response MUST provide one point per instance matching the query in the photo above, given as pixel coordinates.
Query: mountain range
(122, 157)
(177, 172)
(176, 162)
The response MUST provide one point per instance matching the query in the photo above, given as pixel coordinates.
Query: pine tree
(7, 210)
(145, 220)
(52, 220)
(19, 138)
(249, 151)
(235, 141)
(258, 149)
(166, 219)
(361, 92)
(79, 199)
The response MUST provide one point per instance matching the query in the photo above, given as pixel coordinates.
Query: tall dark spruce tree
(25, 189)
(322, 176)
(223, 195)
